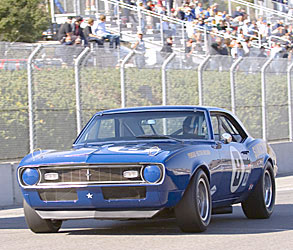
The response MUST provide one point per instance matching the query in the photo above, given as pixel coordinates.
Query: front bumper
(93, 201)
(90, 214)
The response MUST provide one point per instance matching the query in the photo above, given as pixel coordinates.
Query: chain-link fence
(50, 92)
(100, 81)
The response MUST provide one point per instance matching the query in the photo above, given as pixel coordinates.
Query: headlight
(152, 173)
(30, 176)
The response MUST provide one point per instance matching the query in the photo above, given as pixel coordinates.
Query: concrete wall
(10, 193)
(284, 152)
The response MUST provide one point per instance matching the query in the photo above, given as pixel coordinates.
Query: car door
(235, 159)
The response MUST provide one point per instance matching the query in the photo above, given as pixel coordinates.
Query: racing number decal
(238, 169)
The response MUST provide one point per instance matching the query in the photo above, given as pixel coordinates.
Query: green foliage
(22, 20)
(143, 87)
(182, 87)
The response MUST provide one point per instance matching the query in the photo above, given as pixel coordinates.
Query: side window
(107, 129)
(227, 126)
(215, 125)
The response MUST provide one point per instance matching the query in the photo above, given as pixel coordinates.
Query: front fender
(204, 166)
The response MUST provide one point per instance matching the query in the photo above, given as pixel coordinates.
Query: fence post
(119, 19)
(183, 35)
(77, 87)
(78, 8)
(232, 83)
(263, 98)
(230, 7)
(30, 96)
(161, 29)
(52, 7)
(75, 6)
(164, 78)
(200, 68)
(139, 17)
(122, 77)
(290, 100)
(97, 6)
(206, 42)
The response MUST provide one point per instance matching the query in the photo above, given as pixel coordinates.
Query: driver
(189, 125)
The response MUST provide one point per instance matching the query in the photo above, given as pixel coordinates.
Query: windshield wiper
(158, 137)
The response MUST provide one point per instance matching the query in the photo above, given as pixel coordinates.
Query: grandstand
(179, 28)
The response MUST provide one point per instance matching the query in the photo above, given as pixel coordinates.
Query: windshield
(163, 125)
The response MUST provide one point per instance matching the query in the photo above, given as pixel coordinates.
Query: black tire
(193, 212)
(261, 202)
(37, 224)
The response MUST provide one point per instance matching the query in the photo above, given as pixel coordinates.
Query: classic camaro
(150, 162)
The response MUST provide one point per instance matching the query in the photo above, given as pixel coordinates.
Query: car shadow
(235, 223)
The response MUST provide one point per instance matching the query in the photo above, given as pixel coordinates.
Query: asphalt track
(232, 231)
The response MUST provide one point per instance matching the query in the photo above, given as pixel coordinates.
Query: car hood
(110, 153)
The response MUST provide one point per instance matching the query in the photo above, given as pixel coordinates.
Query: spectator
(166, 29)
(237, 12)
(139, 47)
(219, 47)
(198, 10)
(100, 30)
(262, 52)
(222, 25)
(245, 28)
(276, 50)
(189, 48)
(68, 41)
(214, 9)
(167, 48)
(128, 13)
(59, 6)
(149, 18)
(90, 37)
(188, 15)
(65, 30)
(89, 6)
(77, 32)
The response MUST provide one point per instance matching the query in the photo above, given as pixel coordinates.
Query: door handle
(245, 152)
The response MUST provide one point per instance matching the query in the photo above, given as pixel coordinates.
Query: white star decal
(89, 195)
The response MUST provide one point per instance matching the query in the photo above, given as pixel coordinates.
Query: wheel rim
(268, 189)
(203, 200)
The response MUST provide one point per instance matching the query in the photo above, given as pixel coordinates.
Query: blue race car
(150, 162)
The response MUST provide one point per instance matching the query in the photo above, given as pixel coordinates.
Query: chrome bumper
(91, 214)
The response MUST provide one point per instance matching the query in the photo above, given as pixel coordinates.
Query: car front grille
(91, 174)
(64, 194)
(120, 193)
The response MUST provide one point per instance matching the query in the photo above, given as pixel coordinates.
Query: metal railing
(259, 10)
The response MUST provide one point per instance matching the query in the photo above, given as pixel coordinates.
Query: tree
(23, 20)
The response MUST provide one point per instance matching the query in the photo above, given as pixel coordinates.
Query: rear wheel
(37, 224)
(193, 212)
(260, 203)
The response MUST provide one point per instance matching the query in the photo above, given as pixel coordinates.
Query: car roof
(161, 108)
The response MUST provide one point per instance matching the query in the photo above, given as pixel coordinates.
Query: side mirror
(227, 138)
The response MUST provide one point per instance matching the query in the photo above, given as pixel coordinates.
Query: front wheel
(260, 203)
(37, 224)
(193, 212)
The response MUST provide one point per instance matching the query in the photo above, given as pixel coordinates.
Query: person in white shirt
(99, 29)
(139, 47)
